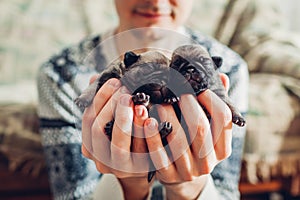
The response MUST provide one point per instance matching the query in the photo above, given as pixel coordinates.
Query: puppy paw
(165, 128)
(171, 100)
(82, 102)
(238, 120)
(141, 99)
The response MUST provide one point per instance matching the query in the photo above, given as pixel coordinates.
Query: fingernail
(114, 82)
(139, 111)
(151, 124)
(124, 90)
(125, 100)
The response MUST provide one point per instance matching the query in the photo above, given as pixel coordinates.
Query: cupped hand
(195, 146)
(124, 156)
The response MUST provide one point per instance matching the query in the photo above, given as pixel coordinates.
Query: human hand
(194, 151)
(122, 155)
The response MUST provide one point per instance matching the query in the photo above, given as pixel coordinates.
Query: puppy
(200, 72)
(146, 77)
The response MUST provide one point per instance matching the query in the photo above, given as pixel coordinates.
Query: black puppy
(200, 71)
(146, 77)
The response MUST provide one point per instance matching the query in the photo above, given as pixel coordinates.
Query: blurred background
(32, 30)
(265, 33)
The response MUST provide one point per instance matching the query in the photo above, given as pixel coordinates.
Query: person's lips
(151, 15)
(150, 11)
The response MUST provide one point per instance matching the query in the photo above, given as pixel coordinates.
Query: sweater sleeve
(71, 175)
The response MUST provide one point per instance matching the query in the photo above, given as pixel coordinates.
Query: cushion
(272, 145)
(19, 138)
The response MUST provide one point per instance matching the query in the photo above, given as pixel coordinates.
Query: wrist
(135, 188)
(186, 190)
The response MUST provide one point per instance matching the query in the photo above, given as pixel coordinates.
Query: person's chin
(160, 21)
(162, 24)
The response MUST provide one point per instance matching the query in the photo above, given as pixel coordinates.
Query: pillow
(20, 141)
(272, 147)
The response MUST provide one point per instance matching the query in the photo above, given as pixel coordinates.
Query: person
(87, 166)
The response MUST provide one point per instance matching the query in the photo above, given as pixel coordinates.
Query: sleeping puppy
(146, 77)
(200, 71)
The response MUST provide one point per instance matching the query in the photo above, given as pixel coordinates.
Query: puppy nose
(191, 70)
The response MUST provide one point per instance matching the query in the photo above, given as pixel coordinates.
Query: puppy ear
(218, 61)
(130, 58)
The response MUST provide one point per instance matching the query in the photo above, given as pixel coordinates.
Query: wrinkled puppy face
(149, 68)
(196, 65)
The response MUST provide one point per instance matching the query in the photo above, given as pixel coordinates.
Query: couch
(34, 30)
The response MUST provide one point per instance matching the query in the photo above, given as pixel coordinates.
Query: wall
(291, 10)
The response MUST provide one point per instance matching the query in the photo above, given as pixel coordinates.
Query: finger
(107, 113)
(105, 93)
(88, 118)
(198, 126)
(140, 157)
(202, 147)
(86, 153)
(165, 169)
(100, 144)
(221, 122)
(205, 165)
(139, 143)
(225, 80)
(121, 135)
(177, 142)
(91, 118)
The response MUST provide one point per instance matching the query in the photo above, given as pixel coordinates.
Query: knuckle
(202, 127)
(96, 128)
(85, 152)
(226, 115)
(101, 168)
(194, 126)
(206, 167)
(120, 174)
(188, 177)
(87, 116)
(120, 157)
(102, 94)
(206, 170)
(224, 154)
(122, 118)
(198, 123)
(114, 81)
